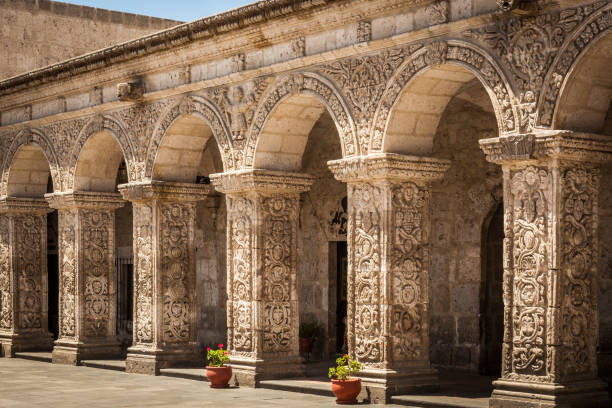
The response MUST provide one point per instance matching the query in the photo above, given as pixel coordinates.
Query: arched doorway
(492, 305)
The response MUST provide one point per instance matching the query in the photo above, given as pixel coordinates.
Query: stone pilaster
(262, 290)
(87, 293)
(23, 276)
(551, 262)
(389, 199)
(165, 332)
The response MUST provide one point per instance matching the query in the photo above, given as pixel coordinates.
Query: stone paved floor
(30, 384)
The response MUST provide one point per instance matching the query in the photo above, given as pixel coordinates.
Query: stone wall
(462, 201)
(37, 33)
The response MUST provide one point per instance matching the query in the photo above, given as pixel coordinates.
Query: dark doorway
(492, 307)
(124, 269)
(53, 275)
(341, 293)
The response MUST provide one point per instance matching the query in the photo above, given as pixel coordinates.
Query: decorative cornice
(556, 144)
(23, 205)
(263, 181)
(164, 190)
(85, 200)
(388, 166)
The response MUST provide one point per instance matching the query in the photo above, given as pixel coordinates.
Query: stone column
(389, 199)
(165, 332)
(262, 290)
(551, 262)
(23, 276)
(87, 298)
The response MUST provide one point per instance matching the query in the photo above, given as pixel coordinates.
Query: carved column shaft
(389, 199)
(23, 276)
(87, 298)
(165, 332)
(262, 312)
(551, 189)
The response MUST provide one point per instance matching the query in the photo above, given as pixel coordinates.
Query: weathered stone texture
(462, 201)
(39, 33)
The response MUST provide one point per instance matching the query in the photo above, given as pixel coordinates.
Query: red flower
(207, 348)
(346, 355)
(225, 353)
(220, 345)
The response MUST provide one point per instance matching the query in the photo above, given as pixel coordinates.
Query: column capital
(545, 145)
(93, 200)
(260, 180)
(23, 205)
(388, 166)
(164, 191)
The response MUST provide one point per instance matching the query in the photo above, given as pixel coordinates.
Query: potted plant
(309, 332)
(345, 388)
(216, 371)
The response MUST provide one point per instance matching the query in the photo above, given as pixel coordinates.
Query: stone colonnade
(550, 271)
(551, 262)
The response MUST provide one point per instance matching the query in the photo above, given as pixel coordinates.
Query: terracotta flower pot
(346, 391)
(219, 376)
(305, 345)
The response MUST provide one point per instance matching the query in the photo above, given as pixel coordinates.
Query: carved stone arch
(454, 53)
(38, 138)
(586, 36)
(112, 126)
(311, 84)
(200, 107)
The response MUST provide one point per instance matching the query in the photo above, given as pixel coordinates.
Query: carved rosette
(164, 249)
(263, 207)
(23, 255)
(551, 184)
(388, 237)
(87, 279)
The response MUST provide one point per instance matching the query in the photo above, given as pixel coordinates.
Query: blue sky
(182, 10)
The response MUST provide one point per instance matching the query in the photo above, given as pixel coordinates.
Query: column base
(149, 362)
(74, 353)
(378, 385)
(14, 343)
(249, 372)
(584, 394)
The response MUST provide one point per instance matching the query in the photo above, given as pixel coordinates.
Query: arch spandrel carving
(198, 106)
(37, 137)
(310, 84)
(457, 53)
(590, 30)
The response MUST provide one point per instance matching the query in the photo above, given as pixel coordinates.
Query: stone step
(197, 374)
(439, 401)
(44, 356)
(317, 385)
(117, 365)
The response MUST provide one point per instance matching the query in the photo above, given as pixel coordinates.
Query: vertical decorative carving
(97, 240)
(298, 46)
(409, 264)
(29, 238)
(238, 62)
(6, 296)
(578, 263)
(68, 271)
(531, 203)
(364, 31)
(240, 263)
(178, 301)
(364, 297)
(279, 218)
(143, 269)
